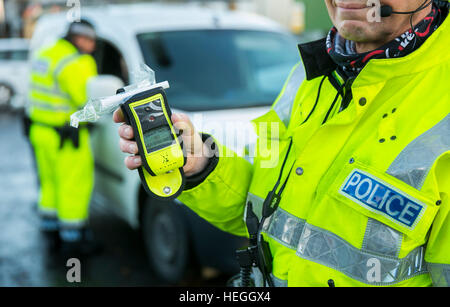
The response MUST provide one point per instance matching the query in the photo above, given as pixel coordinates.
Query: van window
(19, 55)
(14, 55)
(4, 55)
(220, 69)
(110, 61)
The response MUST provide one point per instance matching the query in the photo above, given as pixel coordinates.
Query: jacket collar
(316, 59)
(434, 51)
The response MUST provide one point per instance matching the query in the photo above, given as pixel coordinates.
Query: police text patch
(380, 197)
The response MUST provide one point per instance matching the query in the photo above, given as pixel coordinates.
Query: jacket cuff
(197, 179)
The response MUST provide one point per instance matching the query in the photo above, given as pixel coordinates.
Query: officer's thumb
(183, 124)
(192, 141)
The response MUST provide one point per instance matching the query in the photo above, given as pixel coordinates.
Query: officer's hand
(197, 152)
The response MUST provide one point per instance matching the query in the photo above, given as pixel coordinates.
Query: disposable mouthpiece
(96, 108)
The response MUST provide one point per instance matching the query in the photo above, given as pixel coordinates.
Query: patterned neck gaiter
(350, 63)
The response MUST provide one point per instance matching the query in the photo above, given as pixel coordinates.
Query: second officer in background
(58, 88)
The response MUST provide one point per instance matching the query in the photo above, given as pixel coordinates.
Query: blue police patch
(40, 67)
(382, 198)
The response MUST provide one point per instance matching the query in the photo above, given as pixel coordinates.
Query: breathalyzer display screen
(158, 138)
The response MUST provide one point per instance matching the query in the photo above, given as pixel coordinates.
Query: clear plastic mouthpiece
(96, 108)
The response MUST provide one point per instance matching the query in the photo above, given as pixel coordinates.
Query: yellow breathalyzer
(159, 143)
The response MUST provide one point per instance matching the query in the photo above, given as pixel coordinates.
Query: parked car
(13, 73)
(225, 68)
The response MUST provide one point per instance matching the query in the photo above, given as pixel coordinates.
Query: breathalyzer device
(159, 143)
(144, 105)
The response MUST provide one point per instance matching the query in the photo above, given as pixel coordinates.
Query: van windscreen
(220, 69)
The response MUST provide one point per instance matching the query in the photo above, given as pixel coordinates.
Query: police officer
(351, 177)
(58, 88)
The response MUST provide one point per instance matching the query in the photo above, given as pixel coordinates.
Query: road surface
(23, 259)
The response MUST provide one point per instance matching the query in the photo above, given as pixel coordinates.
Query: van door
(110, 171)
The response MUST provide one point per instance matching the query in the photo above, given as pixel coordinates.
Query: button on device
(167, 190)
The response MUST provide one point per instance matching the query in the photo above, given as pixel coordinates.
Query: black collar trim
(316, 59)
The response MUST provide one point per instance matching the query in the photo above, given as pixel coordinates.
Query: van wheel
(6, 94)
(167, 241)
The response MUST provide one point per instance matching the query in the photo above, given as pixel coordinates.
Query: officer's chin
(356, 30)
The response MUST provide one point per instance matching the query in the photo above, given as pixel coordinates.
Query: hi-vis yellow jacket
(58, 83)
(58, 88)
(366, 201)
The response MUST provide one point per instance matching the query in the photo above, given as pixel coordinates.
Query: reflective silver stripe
(283, 107)
(45, 106)
(440, 274)
(46, 212)
(279, 282)
(63, 63)
(323, 247)
(382, 239)
(379, 238)
(415, 161)
(53, 91)
(257, 277)
(284, 228)
(40, 66)
(381, 247)
(74, 224)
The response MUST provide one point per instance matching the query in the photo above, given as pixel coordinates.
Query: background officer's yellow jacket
(58, 83)
(58, 88)
(367, 198)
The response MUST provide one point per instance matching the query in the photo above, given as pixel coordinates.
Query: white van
(225, 68)
(13, 73)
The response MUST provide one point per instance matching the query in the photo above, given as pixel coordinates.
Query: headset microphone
(387, 10)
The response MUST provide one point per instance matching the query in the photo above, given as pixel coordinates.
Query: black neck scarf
(350, 63)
